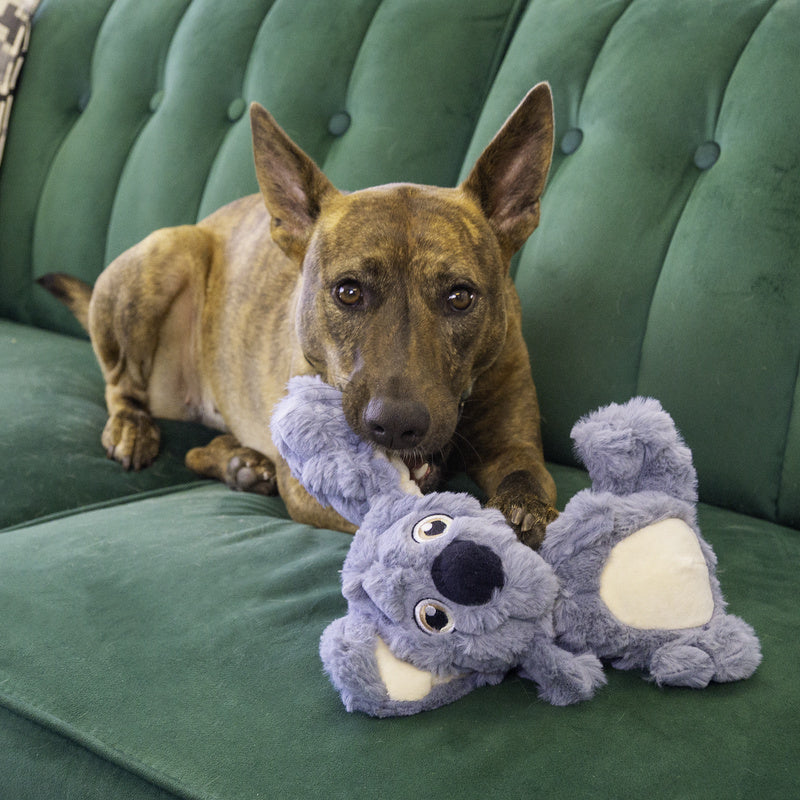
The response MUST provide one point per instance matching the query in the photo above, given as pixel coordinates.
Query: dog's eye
(460, 298)
(348, 293)
(431, 527)
(433, 617)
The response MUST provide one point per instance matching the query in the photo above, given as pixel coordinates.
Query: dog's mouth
(418, 467)
(423, 471)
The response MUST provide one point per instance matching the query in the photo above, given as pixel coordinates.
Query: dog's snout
(396, 424)
(467, 573)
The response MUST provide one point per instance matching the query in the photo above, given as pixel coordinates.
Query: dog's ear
(292, 185)
(510, 175)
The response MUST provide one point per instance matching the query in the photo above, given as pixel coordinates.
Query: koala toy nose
(467, 573)
(396, 424)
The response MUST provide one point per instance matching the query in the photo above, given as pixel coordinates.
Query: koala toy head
(441, 596)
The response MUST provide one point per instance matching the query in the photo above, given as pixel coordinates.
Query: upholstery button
(236, 109)
(571, 141)
(339, 123)
(706, 155)
(155, 100)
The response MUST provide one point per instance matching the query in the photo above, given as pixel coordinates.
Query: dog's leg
(142, 320)
(239, 467)
(130, 435)
(302, 507)
(501, 423)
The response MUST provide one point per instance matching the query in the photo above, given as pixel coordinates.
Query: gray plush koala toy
(441, 595)
(443, 598)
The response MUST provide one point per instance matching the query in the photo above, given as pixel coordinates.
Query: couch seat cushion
(51, 394)
(174, 638)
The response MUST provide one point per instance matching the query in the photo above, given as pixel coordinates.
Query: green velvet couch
(158, 633)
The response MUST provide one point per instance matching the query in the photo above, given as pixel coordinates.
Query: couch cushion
(140, 131)
(175, 638)
(51, 394)
(656, 269)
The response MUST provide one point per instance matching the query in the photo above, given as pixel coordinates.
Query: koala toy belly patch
(443, 598)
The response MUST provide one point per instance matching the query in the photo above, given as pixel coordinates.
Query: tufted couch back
(668, 257)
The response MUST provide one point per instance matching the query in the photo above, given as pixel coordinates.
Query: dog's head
(405, 288)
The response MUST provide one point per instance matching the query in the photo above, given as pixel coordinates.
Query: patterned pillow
(14, 34)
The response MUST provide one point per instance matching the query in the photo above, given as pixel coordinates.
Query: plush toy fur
(638, 580)
(443, 598)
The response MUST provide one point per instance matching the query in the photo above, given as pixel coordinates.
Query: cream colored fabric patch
(403, 681)
(658, 578)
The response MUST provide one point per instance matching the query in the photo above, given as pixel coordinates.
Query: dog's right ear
(510, 175)
(292, 185)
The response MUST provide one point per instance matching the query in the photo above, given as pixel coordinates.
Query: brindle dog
(399, 295)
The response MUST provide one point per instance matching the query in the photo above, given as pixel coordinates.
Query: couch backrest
(668, 257)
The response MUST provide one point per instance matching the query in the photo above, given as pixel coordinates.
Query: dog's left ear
(510, 175)
(292, 185)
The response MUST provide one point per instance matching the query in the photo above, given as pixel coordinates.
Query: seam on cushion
(147, 118)
(67, 133)
(788, 428)
(575, 122)
(32, 713)
(689, 195)
(357, 54)
(654, 290)
(111, 503)
(597, 55)
(242, 84)
(738, 60)
(513, 18)
(512, 23)
(138, 132)
(789, 414)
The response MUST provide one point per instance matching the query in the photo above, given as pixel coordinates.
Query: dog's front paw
(239, 467)
(132, 438)
(523, 509)
(249, 471)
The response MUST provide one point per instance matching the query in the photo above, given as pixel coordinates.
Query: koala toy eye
(431, 527)
(433, 617)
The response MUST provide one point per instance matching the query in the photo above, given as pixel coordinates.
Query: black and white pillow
(15, 31)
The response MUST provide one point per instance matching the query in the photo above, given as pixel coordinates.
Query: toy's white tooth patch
(407, 482)
(403, 681)
(657, 578)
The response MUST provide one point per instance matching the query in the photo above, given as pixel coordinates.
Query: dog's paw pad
(132, 438)
(251, 472)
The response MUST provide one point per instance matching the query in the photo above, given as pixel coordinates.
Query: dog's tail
(72, 292)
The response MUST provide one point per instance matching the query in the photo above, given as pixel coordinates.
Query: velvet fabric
(158, 634)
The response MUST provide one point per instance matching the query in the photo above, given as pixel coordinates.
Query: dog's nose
(467, 573)
(396, 424)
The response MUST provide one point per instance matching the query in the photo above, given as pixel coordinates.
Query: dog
(399, 295)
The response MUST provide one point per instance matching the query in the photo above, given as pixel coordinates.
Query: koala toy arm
(563, 678)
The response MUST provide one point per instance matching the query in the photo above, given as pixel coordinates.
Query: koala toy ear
(334, 464)
(635, 447)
